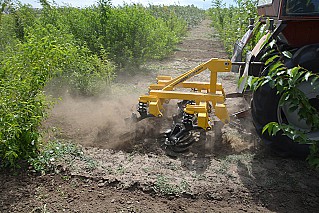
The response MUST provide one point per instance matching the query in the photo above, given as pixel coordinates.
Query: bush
(26, 68)
(178, 15)
(133, 35)
(231, 23)
(24, 72)
(130, 34)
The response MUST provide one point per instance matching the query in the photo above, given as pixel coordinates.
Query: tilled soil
(125, 168)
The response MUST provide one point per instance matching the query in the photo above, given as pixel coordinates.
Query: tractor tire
(265, 109)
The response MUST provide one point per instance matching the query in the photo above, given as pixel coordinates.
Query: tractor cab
(289, 8)
(298, 19)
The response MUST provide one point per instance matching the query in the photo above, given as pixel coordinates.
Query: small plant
(40, 209)
(66, 177)
(52, 153)
(120, 170)
(146, 169)
(163, 186)
(90, 164)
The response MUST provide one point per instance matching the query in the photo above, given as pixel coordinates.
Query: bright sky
(80, 3)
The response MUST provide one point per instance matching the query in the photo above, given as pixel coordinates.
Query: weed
(146, 169)
(184, 186)
(42, 209)
(108, 169)
(90, 164)
(200, 176)
(66, 177)
(229, 160)
(163, 186)
(60, 191)
(172, 166)
(41, 194)
(52, 153)
(130, 157)
(120, 170)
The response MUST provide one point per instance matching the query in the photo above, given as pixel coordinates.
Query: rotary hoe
(294, 26)
(196, 107)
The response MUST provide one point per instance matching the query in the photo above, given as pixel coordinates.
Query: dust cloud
(94, 122)
(105, 123)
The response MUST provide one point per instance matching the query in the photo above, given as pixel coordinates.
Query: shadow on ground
(279, 184)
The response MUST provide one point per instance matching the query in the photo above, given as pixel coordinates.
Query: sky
(204, 4)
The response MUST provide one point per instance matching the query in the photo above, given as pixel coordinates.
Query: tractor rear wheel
(265, 107)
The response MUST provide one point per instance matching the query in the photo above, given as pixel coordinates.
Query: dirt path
(118, 174)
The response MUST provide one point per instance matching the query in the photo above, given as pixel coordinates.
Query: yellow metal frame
(205, 94)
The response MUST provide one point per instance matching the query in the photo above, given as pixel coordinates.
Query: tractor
(294, 26)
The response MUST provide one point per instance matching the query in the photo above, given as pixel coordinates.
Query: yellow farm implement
(196, 106)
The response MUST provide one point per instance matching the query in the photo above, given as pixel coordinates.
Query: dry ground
(124, 172)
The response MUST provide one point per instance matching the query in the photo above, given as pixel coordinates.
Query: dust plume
(93, 122)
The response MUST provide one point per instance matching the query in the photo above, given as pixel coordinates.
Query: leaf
(292, 72)
(266, 127)
(271, 59)
(275, 129)
(287, 96)
(272, 128)
(314, 80)
(280, 82)
(272, 83)
(240, 80)
(254, 82)
(281, 72)
(249, 80)
(272, 43)
(287, 54)
(307, 75)
(265, 56)
(265, 81)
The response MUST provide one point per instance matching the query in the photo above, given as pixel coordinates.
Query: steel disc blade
(187, 142)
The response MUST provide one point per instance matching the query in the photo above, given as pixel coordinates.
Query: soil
(123, 167)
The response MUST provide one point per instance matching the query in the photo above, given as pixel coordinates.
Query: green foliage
(7, 33)
(24, 71)
(134, 35)
(130, 34)
(24, 16)
(176, 16)
(52, 152)
(231, 22)
(57, 155)
(27, 65)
